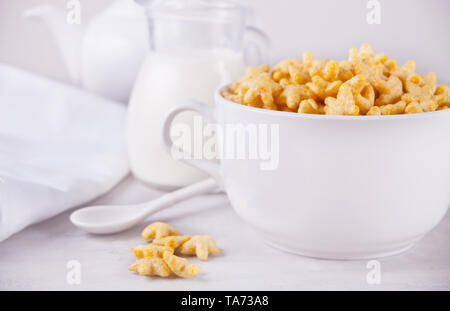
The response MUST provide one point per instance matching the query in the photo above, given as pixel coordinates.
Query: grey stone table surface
(37, 258)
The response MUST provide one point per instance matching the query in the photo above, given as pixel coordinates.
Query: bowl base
(351, 255)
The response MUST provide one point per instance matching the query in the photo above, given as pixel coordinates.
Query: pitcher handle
(208, 166)
(256, 46)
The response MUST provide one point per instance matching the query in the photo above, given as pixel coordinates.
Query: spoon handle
(187, 192)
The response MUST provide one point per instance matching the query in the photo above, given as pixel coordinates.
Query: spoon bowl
(107, 219)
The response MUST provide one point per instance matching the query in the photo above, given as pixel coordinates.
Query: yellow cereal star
(172, 241)
(390, 91)
(293, 94)
(311, 106)
(201, 246)
(413, 107)
(363, 93)
(442, 95)
(322, 88)
(397, 108)
(180, 266)
(158, 230)
(344, 104)
(374, 111)
(405, 71)
(291, 68)
(420, 89)
(150, 250)
(151, 266)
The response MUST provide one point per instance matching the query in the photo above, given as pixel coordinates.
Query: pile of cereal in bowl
(365, 84)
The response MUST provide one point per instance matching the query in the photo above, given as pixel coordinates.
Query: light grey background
(409, 29)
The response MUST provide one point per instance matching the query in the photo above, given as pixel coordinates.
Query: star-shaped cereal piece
(291, 68)
(374, 111)
(397, 108)
(316, 66)
(353, 56)
(260, 91)
(200, 245)
(390, 91)
(293, 94)
(250, 73)
(405, 71)
(151, 266)
(345, 70)
(253, 71)
(421, 90)
(381, 58)
(365, 51)
(442, 95)
(330, 70)
(423, 106)
(420, 87)
(365, 54)
(413, 107)
(363, 93)
(373, 72)
(365, 99)
(172, 241)
(311, 106)
(326, 69)
(150, 250)
(308, 59)
(344, 104)
(180, 266)
(322, 88)
(231, 95)
(158, 230)
(389, 67)
(357, 83)
(365, 62)
(240, 87)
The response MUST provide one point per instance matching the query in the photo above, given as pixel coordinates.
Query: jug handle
(209, 166)
(256, 46)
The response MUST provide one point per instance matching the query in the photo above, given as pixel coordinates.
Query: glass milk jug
(197, 46)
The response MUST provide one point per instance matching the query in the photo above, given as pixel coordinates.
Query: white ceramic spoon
(105, 219)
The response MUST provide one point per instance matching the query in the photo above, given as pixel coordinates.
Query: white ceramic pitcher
(196, 46)
(104, 55)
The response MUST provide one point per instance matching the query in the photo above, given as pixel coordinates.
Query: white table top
(36, 258)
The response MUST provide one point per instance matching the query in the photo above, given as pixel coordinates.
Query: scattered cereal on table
(151, 266)
(173, 242)
(158, 230)
(180, 266)
(201, 246)
(158, 259)
(150, 250)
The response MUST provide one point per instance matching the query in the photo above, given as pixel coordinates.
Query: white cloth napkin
(59, 147)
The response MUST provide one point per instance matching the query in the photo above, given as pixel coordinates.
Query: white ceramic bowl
(346, 187)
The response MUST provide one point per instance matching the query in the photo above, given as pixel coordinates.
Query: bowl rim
(220, 99)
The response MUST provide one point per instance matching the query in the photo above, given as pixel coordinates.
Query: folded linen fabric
(59, 147)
